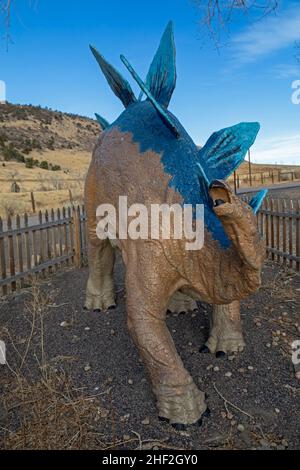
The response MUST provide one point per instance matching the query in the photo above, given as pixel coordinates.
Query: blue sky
(49, 63)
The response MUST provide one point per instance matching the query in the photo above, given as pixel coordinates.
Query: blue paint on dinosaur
(257, 200)
(225, 150)
(155, 128)
(161, 78)
(117, 83)
(102, 121)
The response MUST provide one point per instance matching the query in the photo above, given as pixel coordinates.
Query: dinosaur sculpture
(148, 156)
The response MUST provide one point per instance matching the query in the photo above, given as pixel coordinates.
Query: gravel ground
(100, 356)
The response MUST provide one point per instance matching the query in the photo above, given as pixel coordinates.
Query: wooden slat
(284, 229)
(2, 257)
(291, 235)
(298, 237)
(11, 253)
(27, 243)
(48, 240)
(54, 237)
(20, 250)
(272, 226)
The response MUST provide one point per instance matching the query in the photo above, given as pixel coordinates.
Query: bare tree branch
(217, 15)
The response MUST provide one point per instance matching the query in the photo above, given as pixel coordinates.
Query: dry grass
(48, 412)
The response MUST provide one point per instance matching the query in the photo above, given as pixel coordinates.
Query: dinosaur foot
(221, 346)
(181, 303)
(99, 302)
(181, 405)
(183, 427)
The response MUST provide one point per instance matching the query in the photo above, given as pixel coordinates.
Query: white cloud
(284, 71)
(267, 36)
(284, 150)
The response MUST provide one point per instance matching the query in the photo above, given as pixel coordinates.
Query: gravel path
(100, 356)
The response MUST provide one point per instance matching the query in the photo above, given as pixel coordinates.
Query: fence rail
(38, 245)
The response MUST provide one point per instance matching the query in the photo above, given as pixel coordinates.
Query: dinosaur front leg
(179, 401)
(226, 330)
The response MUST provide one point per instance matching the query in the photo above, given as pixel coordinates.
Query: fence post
(77, 244)
(32, 201)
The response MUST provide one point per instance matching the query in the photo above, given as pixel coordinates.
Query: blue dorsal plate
(257, 200)
(118, 84)
(103, 122)
(225, 150)
(161, 78)
(163, 114)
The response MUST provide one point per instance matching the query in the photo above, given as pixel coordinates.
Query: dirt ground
(254, 397)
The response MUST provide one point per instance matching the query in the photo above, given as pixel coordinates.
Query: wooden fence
(265, 178)
(40, 244)
(43, 243)
(279, 223)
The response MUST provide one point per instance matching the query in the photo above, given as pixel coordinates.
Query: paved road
(272, 187)
(289, 190)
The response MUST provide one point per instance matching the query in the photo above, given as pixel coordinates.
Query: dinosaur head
(239, 222)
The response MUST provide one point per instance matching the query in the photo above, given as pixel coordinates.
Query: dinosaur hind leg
(226, 330)
(100, 285)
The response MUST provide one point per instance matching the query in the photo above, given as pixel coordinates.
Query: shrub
(11, 153)
(29, 162)
(44, 165)
(56, 167)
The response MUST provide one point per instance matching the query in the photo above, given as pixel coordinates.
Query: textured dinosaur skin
(138, 156)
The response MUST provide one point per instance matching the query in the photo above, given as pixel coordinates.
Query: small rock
(228, 374)
(241, 370)
(233, 422)
(209, 367)
(229, 416)
(64, 324)
(87, 328)
(143, 381)
(264, 443)
(231, 358)
(87, 368)
(216, 368)
(125, 417)
(268, 345)
(96, 388)
(193, 315)
(258, 324)
(190, 344)
(240, 428)
(245, 390)
(102, 412)
(112, 332)
(284, 442)
(146, 421)
(277, 410)
(250, 367)
(130, 381)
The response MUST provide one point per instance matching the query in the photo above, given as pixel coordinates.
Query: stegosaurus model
(147, 155)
